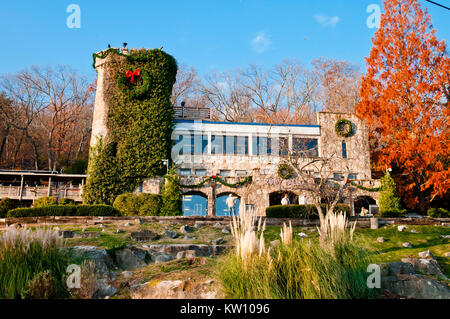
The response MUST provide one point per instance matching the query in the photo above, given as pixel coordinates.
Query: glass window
(242, 145)
(241, 173)
(201, 144)
(200, 172)
(338, 176)
(185, 172)
(195, 205)
(217, 144)
(177, 145)
(262, 146)
(230, 145)
(307, 147)
(283, 146)
(225, 173)
(186, 144)
(353, 176)
(344, 150)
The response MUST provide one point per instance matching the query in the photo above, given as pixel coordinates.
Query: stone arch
(363, 201)
(222, 208)
(275, 197)
(195, 203)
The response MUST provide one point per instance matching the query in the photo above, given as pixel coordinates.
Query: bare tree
(228, 98)
(187, 87)
(339, 85)
(51, 109)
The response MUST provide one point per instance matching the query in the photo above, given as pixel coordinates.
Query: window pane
(200, 172)
(177, 145)
(225, 173)
(242, 145)
(306, 147)
(201, 144)
(185, 172)
(344, 150)
(217, 144)
(230, 144)
(283, 146)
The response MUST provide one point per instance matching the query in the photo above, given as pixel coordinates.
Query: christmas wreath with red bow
(134, 84)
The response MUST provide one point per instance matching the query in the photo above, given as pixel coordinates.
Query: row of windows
(239, 145)
(228, 173)
(203, 172)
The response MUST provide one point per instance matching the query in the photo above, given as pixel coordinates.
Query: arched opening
(276, 197)
(363, 201)
(195, 204)
(222, 208)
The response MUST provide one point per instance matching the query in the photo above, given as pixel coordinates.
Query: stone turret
(99, 128)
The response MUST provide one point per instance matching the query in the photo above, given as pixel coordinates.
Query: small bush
(42, 286)
(438, 213)
(45, 201)
(66, 210)
(66, 201)
(139, 205)
(6, 204)
(150, 204)
(128, 204)
(171, 195)
(301, 211)
(393, 213)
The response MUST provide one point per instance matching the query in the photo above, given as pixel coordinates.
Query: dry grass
(335, 228)
(286, 234)
(245, 236)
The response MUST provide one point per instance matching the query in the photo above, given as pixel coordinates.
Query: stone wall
(330, 144)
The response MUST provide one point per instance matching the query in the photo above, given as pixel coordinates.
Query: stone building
(232, 152)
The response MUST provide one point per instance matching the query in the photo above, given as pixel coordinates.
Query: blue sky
(206, 34)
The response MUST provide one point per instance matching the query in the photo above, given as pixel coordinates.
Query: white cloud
(261, 42)
(326, 21)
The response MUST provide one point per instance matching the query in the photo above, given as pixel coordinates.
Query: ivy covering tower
(133, 121)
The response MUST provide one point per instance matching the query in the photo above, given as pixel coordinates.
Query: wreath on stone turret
(285, 171)
(344, 128)
(135, 84)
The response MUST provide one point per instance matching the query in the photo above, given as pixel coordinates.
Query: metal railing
(192, 113)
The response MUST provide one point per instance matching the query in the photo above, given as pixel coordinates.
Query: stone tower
(100, 116)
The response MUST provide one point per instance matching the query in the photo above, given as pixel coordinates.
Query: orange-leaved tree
(405, 98)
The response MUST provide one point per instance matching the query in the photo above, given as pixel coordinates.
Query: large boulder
(145, 235)
(103, 265)
(425, 266)
(130, 258)
(176, 289)
(173, 249)
(399, 278)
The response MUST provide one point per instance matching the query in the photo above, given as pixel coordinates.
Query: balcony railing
(33, 192)
(192, 113)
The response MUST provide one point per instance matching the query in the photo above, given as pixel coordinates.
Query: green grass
(21, 262)
(427, 238)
